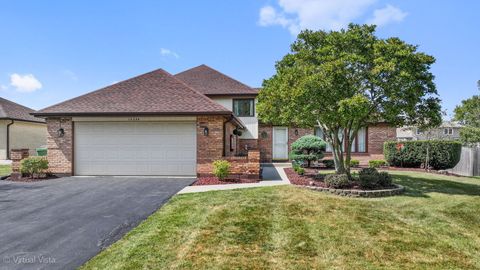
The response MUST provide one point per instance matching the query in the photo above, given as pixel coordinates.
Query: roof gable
(155, 92)
(14, 111)
(209, 81)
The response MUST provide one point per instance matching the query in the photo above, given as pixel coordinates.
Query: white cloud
(3, 87)
(167, 52)
(296, 15)
(387, 15)
(25, 83)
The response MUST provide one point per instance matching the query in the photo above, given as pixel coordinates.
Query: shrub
(34, 166)
(297, 168)
(337, 181)
(354, 163)
(384, 179)
(376, 163)
(300, 171)
(443, 154)
(368, 178)
(329, 163)
(221, 169)
(307, 149)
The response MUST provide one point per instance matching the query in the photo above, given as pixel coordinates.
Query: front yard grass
(5, 170)
(434, 225)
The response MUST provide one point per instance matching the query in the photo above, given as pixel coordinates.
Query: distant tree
(468, 113)
(344, 80)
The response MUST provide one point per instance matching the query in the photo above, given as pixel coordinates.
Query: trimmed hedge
(412, 154)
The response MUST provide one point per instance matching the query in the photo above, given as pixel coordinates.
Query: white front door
(135, 148)
(280, 143)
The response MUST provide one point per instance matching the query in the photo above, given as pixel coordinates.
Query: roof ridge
(98, 90)
(202, 95)
(217, 71)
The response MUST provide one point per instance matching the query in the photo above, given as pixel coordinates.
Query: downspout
(8, 138)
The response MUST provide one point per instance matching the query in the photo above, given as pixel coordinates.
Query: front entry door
(280, 143)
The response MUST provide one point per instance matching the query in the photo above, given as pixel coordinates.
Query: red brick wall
(377, 135)
(265, 134)
(301, 132)
(60, 149)
(247, 144)
(209, 148)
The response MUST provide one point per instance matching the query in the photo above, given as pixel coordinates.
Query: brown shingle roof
(156, 92)
(14, 111)
(209, 81)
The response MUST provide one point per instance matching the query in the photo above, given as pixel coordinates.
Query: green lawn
(434, 225)
(5, 170)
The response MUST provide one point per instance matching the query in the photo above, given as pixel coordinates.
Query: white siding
(251, 123)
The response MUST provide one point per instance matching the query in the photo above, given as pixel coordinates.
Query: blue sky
(51, 51)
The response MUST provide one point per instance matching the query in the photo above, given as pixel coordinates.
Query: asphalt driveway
(61, 223)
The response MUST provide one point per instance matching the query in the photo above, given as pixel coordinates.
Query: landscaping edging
(361, 193)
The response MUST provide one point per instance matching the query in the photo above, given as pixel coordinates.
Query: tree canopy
(468, 113)
(343, 80)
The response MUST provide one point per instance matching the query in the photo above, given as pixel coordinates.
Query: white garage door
(135, 148)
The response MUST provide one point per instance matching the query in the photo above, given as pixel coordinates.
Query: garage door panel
(140, 148)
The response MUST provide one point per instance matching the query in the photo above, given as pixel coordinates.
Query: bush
(443, 154)
(298, 168)
(300, 171)
(329, 163)
(376, 163)
(368, 178)
(34, 166)
(221, 169)
(354, 163)
(384, 179)
(337, 181)
(307, 149)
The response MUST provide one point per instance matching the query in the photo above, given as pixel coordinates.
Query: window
(244, 107)
(319, 133)
(419, 131)
(359, 144)
(448, 131)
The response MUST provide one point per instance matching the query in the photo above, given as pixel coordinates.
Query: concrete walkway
(273, 175)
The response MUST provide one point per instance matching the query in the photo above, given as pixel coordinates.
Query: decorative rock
(398, 189)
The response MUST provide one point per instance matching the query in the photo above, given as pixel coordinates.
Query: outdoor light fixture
(296, 132)
(205, 131)
(60, 132)
(264, 134)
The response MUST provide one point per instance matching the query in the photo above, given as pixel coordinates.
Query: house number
(134, 119)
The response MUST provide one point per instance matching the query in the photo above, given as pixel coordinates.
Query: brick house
(163, 124)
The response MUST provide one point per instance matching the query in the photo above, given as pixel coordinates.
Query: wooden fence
(469, 164)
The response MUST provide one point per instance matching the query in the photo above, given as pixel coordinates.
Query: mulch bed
(312, 178)
(29, 179)
(202, 181)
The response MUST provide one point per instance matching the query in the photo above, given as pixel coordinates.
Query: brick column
(253, 165)
(17, 155)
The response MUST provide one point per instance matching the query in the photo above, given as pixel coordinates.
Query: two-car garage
(134, 148)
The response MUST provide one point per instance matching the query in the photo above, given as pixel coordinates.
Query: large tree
(468, 113)
(344, 80)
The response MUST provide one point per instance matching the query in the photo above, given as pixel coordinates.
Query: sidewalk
(273, 175)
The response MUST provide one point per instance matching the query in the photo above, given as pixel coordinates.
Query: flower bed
(212, 180)
(314, 181)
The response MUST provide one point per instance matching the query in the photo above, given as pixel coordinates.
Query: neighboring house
(163, 124)
(448, 130)
(19, 129)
